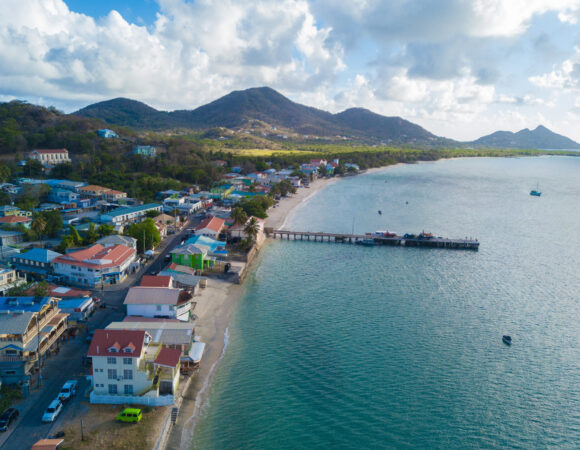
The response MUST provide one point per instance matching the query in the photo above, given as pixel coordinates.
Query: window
(112, 389)
(128, 374)
(112, 374)
(111, 360)
(158, 307)
(128, 389)
(128, 361)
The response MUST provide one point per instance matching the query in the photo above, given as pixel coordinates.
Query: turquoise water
(341, 346)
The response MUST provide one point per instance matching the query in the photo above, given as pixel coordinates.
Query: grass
(8, 396)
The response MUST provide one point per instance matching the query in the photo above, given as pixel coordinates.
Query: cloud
(566, 76)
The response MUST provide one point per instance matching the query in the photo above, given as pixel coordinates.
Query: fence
(162, 400)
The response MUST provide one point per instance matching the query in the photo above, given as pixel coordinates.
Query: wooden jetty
(404, 241)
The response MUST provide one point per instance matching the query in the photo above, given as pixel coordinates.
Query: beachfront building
(35, 261)
(236, 231)
(192, 255)
(130, 214)
(128, 368)
(50, 158)
(29, 327)
(9, 279)
(159, 302)
(95, 266)
(211, 227)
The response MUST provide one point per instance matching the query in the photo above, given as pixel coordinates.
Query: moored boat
(366, 242)
(507, 339)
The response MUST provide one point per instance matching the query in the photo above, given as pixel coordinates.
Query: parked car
(130, 415)
(91, 333)
(7, 417)
(53, 410)
(69, 389)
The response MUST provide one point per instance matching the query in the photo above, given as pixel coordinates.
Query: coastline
(215, 306)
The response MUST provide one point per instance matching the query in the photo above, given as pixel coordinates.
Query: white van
(68, 390)
(52, 411)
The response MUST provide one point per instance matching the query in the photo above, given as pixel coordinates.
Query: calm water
(338, 346)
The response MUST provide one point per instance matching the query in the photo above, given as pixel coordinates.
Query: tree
(33, 168)
(42, 289)
(38, 225)
(76, 237)
(251, 229)
(5, 173)
(239, 215)
(53, 222)
(146, 233)
(106, 230)
(66, 242)
(91, 235)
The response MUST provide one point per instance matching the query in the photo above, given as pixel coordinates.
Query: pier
(403, 241)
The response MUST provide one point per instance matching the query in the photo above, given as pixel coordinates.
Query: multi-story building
(95, 266)
(211, 227)
(9, 279)
(36, 260)
(50, 158)
(129, 214)
(129, 368)
(29, 328)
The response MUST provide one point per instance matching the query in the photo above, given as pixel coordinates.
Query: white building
(181, 204)
(159, 302)
(50, 158)
(129, 214)
(211, 227)
(128, 368)
(94, 266)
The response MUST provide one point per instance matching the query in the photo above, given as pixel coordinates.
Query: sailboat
(536, 192)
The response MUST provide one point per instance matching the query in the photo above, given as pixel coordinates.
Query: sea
(344, 346)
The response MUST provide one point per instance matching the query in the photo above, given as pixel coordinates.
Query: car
(7, 417)
(130, 415)
(69, 389)
(167, 257)
(91, 333)
(53, 410)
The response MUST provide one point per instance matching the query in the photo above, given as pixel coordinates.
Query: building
(236, 231)
(194, 256)
(50, 158)
(159, 302)
(182, 205)
(93, 191)
(95, 266)
(211, 227)
(29, 327)
(36, 260)
(215, 248)
(9, 279)
(157, 281)
(63, 196)
(105, 133)
(16, 220)
(128, 368)
(78, 309)
(145, 150)
(10, 237)
(129, 214)
(118, 239)
(8, 210)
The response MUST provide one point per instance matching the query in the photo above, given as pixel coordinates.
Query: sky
(461, 69)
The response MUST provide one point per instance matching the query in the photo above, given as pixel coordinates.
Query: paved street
(67, 364)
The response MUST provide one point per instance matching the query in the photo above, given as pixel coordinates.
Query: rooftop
(156, 281)
(48, 151)
(117, 343)
(39, 255)
(131, 209)
(168, 357)
(213, 223)
(167, 332)
(97, 256)
(140, 295)
(30, 304)
(15, 219)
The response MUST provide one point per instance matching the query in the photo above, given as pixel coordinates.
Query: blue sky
(459, 68)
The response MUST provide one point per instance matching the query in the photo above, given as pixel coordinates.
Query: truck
(68, 390)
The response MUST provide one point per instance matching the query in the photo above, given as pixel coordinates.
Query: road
(68, 363)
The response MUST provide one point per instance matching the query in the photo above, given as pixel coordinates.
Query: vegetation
(146, 233)
(257, 206)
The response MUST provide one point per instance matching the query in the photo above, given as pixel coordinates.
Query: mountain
(241, 108)
(539, 138)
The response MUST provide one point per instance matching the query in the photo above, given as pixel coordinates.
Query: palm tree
(251, 229)
(38, 225)
(239, 215)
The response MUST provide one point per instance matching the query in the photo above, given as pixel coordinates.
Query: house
(105, 133)
(16, 220)
(95, 266)
(129, 214)
(10, 237)
(182, 204)
(130, 369)
(63, 196)
(118, 239)
(78, 309)
(50, 158)
(68, 185)
(158, 302)
(9, 279)
(8, 210)
(114, 196)
(36, 260)
(156, 281)
(145, 150)
(29, 327)
(236, 231)
(191, 255)
(167, 220)
(216, 248)
(185, 281)
(211, 227)
(93, 191)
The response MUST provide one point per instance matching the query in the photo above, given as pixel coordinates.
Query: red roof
(213, 223)
(61, 291)
(156, 281)
(168, 357)
(104, 340)
(116, 254)
(54, 150)
(15, 219)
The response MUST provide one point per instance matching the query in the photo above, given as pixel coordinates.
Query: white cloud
(566, 76)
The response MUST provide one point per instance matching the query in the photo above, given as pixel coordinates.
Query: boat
(365, 242)
(506, 339)
(536, 192)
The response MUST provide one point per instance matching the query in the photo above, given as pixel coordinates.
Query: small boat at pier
(536, 192)
(365, 242)
(506, 339)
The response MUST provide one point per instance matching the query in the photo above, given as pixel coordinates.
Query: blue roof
(4, 233)
(131, 209)
(71, 303)
(29, 304)
(205, 240)
(39, 255)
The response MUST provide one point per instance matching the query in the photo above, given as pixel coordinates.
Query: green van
(130, 415)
